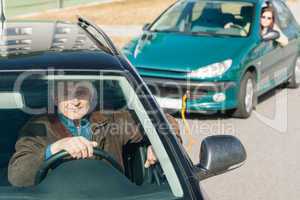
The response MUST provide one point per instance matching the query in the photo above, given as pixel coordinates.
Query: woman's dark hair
(268, 9)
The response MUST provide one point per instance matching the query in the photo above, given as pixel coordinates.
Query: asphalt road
(272, 140)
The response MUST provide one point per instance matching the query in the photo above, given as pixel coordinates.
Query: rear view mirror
(220, 154)
(273, 35)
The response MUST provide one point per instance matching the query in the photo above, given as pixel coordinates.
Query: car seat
(210, 17)
(135, 156)
(11, 122)
(246, 14)
(227, 18)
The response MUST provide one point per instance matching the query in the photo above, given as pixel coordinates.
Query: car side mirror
(146, 27)
(219, 154)
(273, 35)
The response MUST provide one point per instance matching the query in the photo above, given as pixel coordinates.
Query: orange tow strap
(191, 140)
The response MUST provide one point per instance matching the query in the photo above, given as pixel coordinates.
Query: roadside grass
(119, 12)
(120, 41)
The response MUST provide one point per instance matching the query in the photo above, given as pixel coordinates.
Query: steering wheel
(231, 25)
(42, 172)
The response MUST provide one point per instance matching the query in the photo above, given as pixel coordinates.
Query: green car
(190, 50)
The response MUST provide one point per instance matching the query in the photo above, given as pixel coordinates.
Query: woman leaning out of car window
(267, 24)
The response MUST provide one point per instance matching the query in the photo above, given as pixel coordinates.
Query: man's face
(73, 100)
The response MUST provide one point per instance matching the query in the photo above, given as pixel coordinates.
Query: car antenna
(84, 23)
(3, 18)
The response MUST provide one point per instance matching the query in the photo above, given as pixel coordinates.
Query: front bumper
(202, 95)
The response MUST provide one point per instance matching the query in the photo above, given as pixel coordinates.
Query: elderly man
(74, 130)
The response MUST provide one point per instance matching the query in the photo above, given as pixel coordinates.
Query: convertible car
(212, 50)
(35, 56)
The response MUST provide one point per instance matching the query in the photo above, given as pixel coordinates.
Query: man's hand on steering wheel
(236, 26)
(78, 147)
(81, 148)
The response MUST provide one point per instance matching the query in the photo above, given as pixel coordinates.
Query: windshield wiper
(202, 33)
(165, 31)
(207, 34)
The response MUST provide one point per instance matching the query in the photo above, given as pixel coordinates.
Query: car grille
(176, 91)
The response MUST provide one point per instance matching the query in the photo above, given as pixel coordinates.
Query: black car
(33, 56)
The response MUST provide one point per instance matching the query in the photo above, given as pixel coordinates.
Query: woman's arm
(283, 39)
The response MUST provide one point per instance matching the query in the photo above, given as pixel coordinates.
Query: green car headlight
(213, 70)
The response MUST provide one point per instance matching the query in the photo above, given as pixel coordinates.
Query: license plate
(169, 103)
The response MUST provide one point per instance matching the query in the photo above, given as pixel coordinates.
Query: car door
(277, 61)
(290, 28)
(270, 59)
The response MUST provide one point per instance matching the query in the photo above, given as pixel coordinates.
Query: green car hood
(182, 52)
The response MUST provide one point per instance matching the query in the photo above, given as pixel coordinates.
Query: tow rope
(187, 130)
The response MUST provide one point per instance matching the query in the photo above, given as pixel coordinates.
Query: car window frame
(178, 190)
(179, 157)
(189, 17)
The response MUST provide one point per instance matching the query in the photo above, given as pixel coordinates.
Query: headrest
(246, 11)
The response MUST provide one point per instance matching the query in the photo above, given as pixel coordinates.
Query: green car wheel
(247, 96)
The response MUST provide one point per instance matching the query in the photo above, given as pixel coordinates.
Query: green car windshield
(227, 18)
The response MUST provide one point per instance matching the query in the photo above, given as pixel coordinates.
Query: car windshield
(220, 18)
(28, 96)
